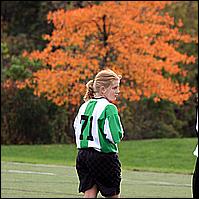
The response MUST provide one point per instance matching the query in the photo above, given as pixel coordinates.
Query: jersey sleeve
(113, 127)
(76, 123)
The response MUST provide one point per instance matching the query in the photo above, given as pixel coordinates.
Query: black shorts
(101, 169)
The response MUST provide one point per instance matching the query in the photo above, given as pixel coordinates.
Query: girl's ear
(103, 89)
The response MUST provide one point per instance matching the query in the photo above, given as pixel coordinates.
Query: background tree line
(26, 118)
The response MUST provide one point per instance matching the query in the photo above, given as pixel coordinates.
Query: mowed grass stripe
(161, 155)
(65, 183)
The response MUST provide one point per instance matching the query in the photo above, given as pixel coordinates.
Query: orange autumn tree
(135, 39)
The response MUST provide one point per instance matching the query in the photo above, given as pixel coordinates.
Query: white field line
(168, 183)
(35, 165)
(27, 172)
(159, 183)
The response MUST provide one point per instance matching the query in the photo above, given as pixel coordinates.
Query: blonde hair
(103, 78)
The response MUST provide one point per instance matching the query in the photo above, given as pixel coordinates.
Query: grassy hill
(161, 155)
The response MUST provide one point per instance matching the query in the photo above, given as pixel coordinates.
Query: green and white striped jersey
(98, 125)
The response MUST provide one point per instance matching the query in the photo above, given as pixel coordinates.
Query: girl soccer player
(195, 179)
(98, 130)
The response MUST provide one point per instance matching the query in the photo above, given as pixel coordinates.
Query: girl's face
(112, 91)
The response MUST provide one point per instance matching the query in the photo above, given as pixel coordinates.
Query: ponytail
(90, 91)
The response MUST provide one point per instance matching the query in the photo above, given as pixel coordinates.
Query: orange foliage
(132, 38)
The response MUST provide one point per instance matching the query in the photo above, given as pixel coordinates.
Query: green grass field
(25, 180)
(150, 169)
(162, 155)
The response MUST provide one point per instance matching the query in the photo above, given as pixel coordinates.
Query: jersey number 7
(86, 118)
